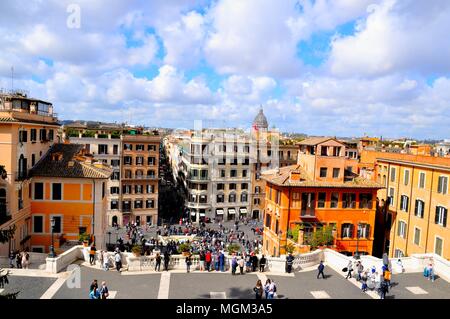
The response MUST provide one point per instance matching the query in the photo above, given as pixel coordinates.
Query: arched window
(22, 174)
(232, 198)
(244, 197)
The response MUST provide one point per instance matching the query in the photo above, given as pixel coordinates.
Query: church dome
(260, 120)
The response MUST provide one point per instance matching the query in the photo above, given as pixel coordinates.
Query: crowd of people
(269, 289)
(96, 293)
(21, 259)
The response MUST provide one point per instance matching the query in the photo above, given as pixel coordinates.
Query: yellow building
(28, 128)
(416, 202)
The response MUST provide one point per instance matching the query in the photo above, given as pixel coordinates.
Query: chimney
(294, 176)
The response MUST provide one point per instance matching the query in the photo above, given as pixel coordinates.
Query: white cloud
(406, 36)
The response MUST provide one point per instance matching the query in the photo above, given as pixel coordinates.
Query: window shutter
(401, 202)
(436, 217)
(407, 203)
(439, 184)
(444, 182)
(351, 230)
(445, 216)
(398, 228)
(416, 209)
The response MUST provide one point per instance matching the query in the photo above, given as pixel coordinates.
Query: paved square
(28, 287)
(321, 294)
(417, 290)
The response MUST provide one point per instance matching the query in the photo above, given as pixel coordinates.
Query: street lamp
(52, 247)
(357, 241)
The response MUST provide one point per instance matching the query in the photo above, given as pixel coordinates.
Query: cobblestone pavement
(28, 287)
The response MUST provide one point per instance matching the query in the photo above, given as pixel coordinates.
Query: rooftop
(67, 160)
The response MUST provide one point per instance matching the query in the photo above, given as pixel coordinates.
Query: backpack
(387, 275)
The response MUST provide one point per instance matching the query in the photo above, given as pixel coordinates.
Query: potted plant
(289, 248)
(184, 249)
(136, 250)
(233, 248)
(84, 238)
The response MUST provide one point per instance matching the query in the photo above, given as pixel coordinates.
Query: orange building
(28, 128)
(69, 188)
(322, 189)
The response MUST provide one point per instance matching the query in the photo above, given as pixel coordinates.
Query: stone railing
(57, 264)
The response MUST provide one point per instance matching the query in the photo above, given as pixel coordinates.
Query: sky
(320, 67)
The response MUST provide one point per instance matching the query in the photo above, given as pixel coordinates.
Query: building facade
(28, 128)
(70, 189)
(139, 179)
(321, 190)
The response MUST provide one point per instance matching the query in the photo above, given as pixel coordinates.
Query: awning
(231, 211)
(219, 212)
(243, 210)
(202, 214)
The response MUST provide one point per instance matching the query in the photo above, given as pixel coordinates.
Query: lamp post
(357, 241)
(52, 247)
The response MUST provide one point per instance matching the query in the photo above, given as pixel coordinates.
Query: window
(151, 161)
(139, 160)
(323, 151)
(349, 200)
(115, 176)
(128, 173)
(149, 203)
(323, 172)
(422, 180)
(232, 198)
(114, 190)
(56, 191)
(308, 204)
(115, 163)
(392, 174)
(33, 135)
(438, 246)
(51, 135)
(336, 172)
(365, 201)
(441, 216)
(23, 136)
(232, 186)
(419, 208)
(138, 189)
(244, 186)
(246, 161)
(268, 220)
(416, 236)
(244, 197)
(347, 230)
(203, 199)
(222, 173)
(384, 181)
(114, 204)
(244, 173)
(442, 184)
(220, 198)
(404, 203)
(246, 149)
(321, 200)
(278, 197)
(334, 200)
(138, 204)
(233, 173)
(406, 177)
(401, 231)
(150, 189)
(364, 231)
(256, 201)
(127, 160)
(139, 147)
(151, 148)
(220, 186)
(399, 254)
(38, 190)
(33, 160)
(204, 174)
(115, 149)
(42, 135)
(391, 196)
(126, 189)
(128, 147)
(102, 149)
(221, 161)
(257, 189)
(38, 223)
(126, 206)
(295, 199)
(58, 225)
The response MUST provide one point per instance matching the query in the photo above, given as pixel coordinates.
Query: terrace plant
(233, 248)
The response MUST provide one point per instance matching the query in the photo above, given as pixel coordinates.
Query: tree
(5, 236)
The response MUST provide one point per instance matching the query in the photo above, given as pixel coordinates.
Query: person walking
(254, 262)
(25, 259)
(11, 259)
(94, 284)
(19, 260)
(430, 269)
(258, 289)
(289, 262)
(94, 293)
(267, 288)
(321, 267)
(241, 264)
(166, 260)
(105, 261)
(364, 278)
(222, 261)
(349, 270)
(104, 292)
(387, 277)
(92, 253)
(383, 289)
(202, 258)
(359, 269)
(158, 262)
(188, 262)
(208, 260)
(262, 264)
(118, 261)
(233, 264)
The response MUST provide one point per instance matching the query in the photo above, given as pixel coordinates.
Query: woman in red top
(208, 260)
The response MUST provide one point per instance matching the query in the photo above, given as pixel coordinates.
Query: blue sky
(324, 67)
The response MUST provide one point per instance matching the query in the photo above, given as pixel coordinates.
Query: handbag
(345, 269)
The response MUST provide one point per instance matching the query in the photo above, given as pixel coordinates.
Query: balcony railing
(141, 177)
